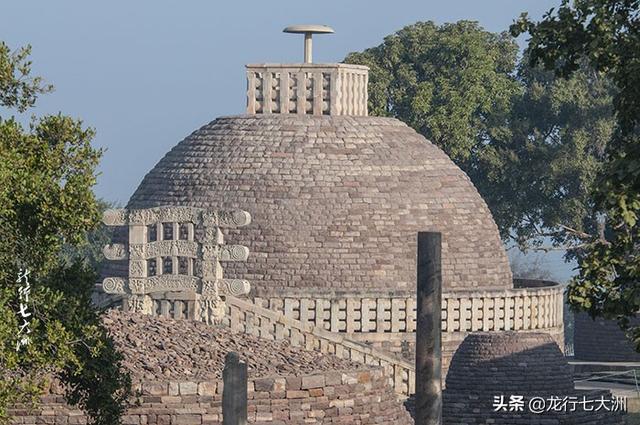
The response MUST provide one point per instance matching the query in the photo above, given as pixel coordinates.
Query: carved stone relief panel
(166, 258)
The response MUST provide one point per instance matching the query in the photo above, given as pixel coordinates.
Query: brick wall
(601, 340)
(332, 397)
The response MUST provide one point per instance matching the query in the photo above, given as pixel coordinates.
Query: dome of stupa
(335, 201)
(336, 197)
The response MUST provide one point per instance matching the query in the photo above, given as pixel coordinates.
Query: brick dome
(336, 202)
(503, 362)
(501, 365)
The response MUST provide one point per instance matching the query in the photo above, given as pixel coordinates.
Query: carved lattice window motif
(167, 231)
(167, 265)
(183, 265)
(152, 233)
(164, 255)
(183, 231)
(151, 267)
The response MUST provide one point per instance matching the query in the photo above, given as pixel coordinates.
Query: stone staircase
(247, 317)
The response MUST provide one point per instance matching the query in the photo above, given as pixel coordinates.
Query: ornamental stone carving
(137, 268)
(114, 217)
(210, 289)
(171, 248)
(139, 304)
(234, 287)
(176, 252)
(113, 285)
(233, 253)
(114, 251)
(137, 286)
(176, 283)
(225, 252)
(136, 251)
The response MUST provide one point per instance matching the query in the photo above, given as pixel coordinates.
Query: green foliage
(452, 83)
(46, 202)
(17, 88)
(605, 34)
(539, 176)
(532, 143)
(89, 251)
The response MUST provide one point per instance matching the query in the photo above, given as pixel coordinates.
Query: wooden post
(428, 332)
(234, 392)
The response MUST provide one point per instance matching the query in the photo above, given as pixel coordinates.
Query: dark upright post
(234, 392)
(428, 331)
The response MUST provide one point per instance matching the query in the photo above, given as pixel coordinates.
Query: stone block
(279, 384)
(186, 419)
(206, 388)
(314, 381)
(349, 379)
(297, 394)
(316, 392)
(131, 420)
(294, 382)
(333, 378)
(155, 388)
(174, 388)
(264, 384)
(188, 388)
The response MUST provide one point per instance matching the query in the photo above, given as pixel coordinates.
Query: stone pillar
(428, 331)
(234, 392)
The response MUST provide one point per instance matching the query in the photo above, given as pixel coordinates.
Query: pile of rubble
(165, 349)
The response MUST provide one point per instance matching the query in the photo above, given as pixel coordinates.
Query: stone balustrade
(388, 322)
(518, 309)
(244, 316)
(307, 89)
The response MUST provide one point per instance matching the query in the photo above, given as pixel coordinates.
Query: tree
(46, 201)
(539, 176)
(452, 83)
(89, 251)
(531, 143)
(605, 34)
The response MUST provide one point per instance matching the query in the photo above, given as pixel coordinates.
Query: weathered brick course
(352, 402)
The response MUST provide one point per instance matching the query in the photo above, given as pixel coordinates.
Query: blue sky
(145, 73)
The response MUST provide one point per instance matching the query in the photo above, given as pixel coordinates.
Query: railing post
(428, 332)
(234, 392)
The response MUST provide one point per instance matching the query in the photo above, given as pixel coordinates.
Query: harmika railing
(307, 89)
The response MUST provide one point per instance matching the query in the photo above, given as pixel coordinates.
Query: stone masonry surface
(513, 363)
(161, 348)
(602, 340)
(176, 367)
(336, 202)
(329, 397)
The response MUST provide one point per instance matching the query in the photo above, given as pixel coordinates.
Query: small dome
(509, 362)
(336, 202)
(490, 370)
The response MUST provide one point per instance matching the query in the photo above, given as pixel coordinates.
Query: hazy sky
(145, 74)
